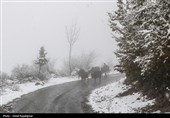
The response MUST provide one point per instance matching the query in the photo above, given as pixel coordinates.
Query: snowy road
(65, 98)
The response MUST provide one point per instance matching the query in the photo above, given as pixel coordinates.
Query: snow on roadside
(113, 72)
(8, 95)
(106, 100)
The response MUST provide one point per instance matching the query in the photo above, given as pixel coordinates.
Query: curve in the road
(65, 98)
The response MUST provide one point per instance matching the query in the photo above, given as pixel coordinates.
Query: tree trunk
(70, 69)
(39, 71)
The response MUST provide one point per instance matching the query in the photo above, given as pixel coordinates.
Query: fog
(26, 26)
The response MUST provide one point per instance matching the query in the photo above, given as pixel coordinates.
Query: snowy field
(8, 94)
(105, 100)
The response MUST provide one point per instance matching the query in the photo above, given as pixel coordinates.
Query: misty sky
(28, 26)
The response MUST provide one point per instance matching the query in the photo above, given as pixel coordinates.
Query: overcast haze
(28, 26)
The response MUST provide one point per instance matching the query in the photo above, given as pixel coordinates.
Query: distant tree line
(142, 31)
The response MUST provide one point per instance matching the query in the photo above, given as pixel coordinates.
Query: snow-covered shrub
(26, 73)
(21, 72)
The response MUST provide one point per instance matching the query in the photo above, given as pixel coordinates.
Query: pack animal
(83, 74)
(96, 73)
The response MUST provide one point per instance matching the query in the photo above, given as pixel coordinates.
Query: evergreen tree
(153, 20)
(144, 41)
(41, 60)
(121, 23)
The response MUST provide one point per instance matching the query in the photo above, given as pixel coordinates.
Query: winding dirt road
(65, 98)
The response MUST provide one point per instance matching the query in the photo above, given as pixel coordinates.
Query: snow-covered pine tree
(121, 24)
(154, 25)
(144, 41)
(41, 60)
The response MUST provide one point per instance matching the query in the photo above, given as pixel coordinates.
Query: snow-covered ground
(106, 100)
(113, 72)
(8, 94)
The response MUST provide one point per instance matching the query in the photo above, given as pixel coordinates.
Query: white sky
(28, 26)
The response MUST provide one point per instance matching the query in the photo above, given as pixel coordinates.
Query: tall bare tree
(72, 34)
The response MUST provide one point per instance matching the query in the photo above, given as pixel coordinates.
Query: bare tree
(72, 36)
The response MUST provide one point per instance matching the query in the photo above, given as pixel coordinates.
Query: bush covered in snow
(24, 73)
(20, 72)
(28, 73)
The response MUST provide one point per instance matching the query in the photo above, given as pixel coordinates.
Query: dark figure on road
(83, 74)
(105, 69)
(96, 73)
